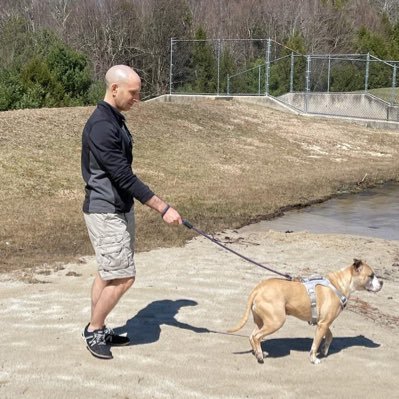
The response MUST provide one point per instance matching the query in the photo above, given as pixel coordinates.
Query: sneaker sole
(125, 344)
(99, 356)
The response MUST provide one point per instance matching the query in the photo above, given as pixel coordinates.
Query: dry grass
(386, 93)
(221, 164)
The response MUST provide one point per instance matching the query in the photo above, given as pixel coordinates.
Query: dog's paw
(315, 360)
(259, 357)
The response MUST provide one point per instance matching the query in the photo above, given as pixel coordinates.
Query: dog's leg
(259, 324)
(321, 331)
(267, 323)
(327, 342)
(251, 340)
(258, 337)
(258, 321)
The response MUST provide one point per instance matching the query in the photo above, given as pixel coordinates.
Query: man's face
(127, 93)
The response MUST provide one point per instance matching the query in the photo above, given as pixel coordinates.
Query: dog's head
(364, 278)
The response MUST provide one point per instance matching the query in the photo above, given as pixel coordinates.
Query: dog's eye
(372, 275)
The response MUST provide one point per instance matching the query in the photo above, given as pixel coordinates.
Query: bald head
(123, 87)
(120, 74)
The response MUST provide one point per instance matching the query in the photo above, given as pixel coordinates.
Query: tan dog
(273, 299)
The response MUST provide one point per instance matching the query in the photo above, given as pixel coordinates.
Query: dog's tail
(244, 319)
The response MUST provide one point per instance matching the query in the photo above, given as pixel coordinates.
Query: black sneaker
(95, 341)
(115, 340)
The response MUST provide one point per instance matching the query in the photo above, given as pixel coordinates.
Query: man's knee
(130, 282)
(125, 283)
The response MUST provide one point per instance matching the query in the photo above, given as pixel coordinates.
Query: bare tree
(138, 32)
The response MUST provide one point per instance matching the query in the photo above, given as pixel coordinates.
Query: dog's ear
(357, 264)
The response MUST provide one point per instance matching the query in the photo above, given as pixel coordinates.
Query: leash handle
(187, 224)
(190, 226)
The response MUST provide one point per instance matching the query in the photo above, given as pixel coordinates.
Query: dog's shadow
(281, 347)
(145, 326)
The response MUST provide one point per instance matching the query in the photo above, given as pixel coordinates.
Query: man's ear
(114, 88)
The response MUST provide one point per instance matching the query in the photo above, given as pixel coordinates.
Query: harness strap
(310, 285)
(312, 295)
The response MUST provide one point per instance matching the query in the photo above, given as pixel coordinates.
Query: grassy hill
(387, 94)
(221, 164)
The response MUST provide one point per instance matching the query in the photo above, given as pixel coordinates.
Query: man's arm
(106, 150)
(104, 145)
(169, 214)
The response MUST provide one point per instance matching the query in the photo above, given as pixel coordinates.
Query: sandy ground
(177, 313)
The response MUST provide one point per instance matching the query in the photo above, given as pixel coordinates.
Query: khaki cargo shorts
(112, 237)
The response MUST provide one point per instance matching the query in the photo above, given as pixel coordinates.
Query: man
(108, 207)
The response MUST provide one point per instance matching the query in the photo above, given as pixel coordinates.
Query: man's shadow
(145, 326)
(281, 347)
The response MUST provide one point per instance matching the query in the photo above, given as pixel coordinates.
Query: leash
(191, 227)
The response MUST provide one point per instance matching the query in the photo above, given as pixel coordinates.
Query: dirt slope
(222, 164)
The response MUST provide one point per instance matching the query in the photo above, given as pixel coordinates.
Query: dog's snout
(377, 284)
(374, 284)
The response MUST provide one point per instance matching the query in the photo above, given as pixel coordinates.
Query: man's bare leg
(105, 294)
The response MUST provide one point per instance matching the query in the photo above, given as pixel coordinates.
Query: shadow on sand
(145, 326)
(281, 347)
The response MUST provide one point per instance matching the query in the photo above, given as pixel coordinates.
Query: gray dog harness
(310, 284)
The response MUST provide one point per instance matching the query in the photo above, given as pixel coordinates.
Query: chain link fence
(204, 66)
(353, 85)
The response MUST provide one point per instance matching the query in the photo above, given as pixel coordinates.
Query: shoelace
(98, 338)
(108, 332)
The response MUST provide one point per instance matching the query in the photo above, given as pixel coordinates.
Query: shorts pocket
(111, 253)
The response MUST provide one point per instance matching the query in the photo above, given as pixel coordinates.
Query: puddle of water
(372, 213)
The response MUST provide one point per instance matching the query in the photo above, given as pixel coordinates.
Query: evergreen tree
(380, 74)
(227, 68)
(42, 72)
(203, 64)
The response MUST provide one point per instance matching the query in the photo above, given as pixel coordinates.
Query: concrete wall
(357, 105)
(270, 102)
(183, 98)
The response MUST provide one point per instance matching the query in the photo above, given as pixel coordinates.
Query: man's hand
(171, 216)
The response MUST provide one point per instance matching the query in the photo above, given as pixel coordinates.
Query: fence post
(218, 63)
(267, 67)
(366, 79)
(307, 82)
(259, 79)
(292, 73)
(228, 85)
(329, 73)
(393, 84)
(171, 66)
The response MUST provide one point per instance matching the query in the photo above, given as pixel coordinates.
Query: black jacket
(107, 160)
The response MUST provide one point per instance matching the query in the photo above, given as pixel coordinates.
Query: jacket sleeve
(104, 143)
